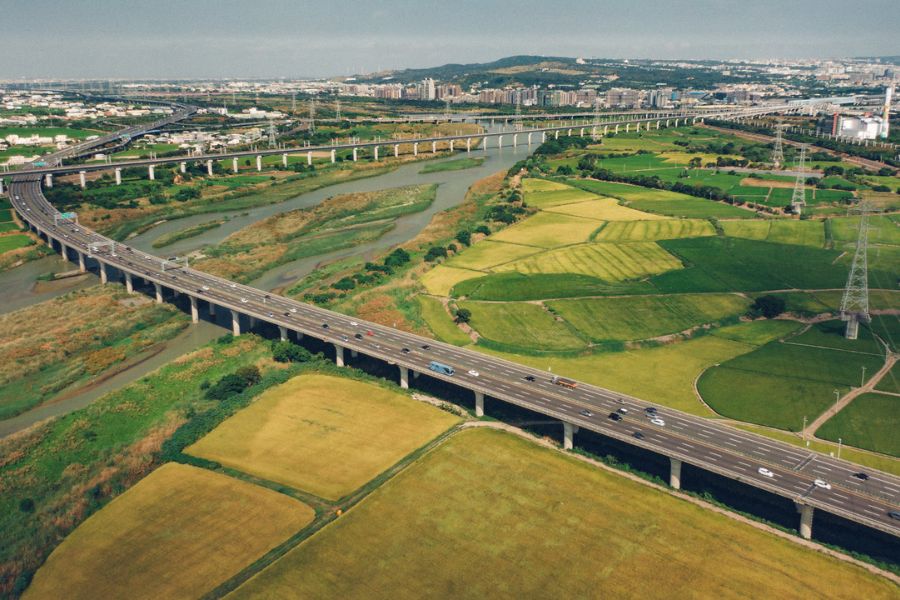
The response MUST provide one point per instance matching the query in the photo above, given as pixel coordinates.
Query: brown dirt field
(766, 183)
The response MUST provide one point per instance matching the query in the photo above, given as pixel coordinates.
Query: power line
(798, 199)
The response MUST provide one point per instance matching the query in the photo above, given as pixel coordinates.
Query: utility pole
(855, 302)
(798, 200)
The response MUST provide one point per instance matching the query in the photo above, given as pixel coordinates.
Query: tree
(463, 315)
(289, 352)
(464, 237)
(768, 306)
(484, 230)
(435, 252)
(250, 374)
(695, 162)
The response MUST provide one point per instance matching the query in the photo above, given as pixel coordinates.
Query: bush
(397, 258)
(435, 252)
(26, 505)
(250, 374)
(484, 230)
(286, 351)
(464, 237)
(463, 315)
(228, 386)
(346, 283)
(768, 306)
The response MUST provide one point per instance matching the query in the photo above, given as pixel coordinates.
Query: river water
(17, 286)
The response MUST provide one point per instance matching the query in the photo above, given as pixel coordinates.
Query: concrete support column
(479, 404)
(570, 132)
(484, 143)
(182, 167)
(376, 153)
(355, 154)
(81, 265)
(118, 176)
(468, 145)
(627, 127)
(638, 126)
(63, 252)
(282, 333)
(339, 355)
(556, 134)
(617, 128)
(48, 180)
(404, 378)
(396, 150)
(806, 520)
(252, 321)
(103, 277)
(515, 140)
(568, 435)
(195, 313)
(675, 473)
(234, 165)
(235, 323)
(657, 124)
(451, 145)
(212, 309)
(434, 147)
(529, 139)
(299, 335)
(667, 122)
(543, 136)
(415, 148)
(284, 160)
(159, 294)
(499, 141)
(151, 172)
(49, 241)
(81, 179)
(129, 285)
(581, 134)
(309, 159)
(354, 354)
(333, 159)
(258, 162)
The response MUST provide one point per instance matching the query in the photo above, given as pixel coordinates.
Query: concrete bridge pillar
(404, 378)
(627, 127)
(569, 432)
(617, 128)
(376, 153)
(515, 140)
(581, 132)
(339, 355)
(129, 285)
(118, 176)
(675, 473)
(479, 404)
(49, 241)
(396, 150)
(355, 154)
(543, 136)
(667, 122)
(258, 162)
(103, 276)
(657, 124)
(528, 139)
(309, 159)
(556, 134)
(182, 167)
(159, 294)
(282, 333)
(234, 165)
(499, 141)
(209, 168)
(434, 147)
(451, 145)
(284, 160)
(354, 353)
(484, 143)
(48, 180)
(81, 265)
(806, 520)
(151, 172)
(570, 132)
(252, 323)
(468, 145)
(212, 309)
(195, 313)
(299, 335)
(81, 179)
(333, 159)
(676, 122)
(235, 323)
(415, 148)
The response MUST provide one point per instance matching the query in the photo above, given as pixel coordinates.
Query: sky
(175, 39)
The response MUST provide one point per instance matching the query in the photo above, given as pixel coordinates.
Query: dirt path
(840, 404)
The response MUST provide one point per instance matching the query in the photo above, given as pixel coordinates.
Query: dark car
(529, 378)
(894, 514)
(586, 413)
(324, 325)
(405, 350)
(650, 410)
(862, 475)
(425, 346)
(615, 416)
(358, 336)
(637, 435)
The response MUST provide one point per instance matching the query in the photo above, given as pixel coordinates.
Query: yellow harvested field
(610, 262)
(322, 434)
(683, 158)
(604, 209)
(490, 515)
(489, 253)
(549, 230)
(647, 231)
(441, 279)
(178, 533)
(542, 185)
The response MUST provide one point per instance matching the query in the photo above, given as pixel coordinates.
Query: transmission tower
(518, 125)
(272, 134)
(778, 151)
(293, 102)
(312, 115)
(447, 111)
(855, 302)
(337, 109)
(798, 200)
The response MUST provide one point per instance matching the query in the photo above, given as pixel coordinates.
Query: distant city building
(623, 98)
(858, 128)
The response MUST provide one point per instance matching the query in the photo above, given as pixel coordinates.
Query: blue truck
(441, 368)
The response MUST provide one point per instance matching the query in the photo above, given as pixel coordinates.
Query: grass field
(891, 381)
(648, 231)
(179, 532)
(804, 233)
(489, 253)
(663, 202)
(870, 421)
(882, 229)
(513, 286)
(12, 242)
(781, 383)
(452, 165)
(609, 262)
(642, 317)
(523, 326)
(603, 209)
(466, 520)
(542, 194)
(322, 434)
(183, 234)
(441, 279)
(549, 230)
(440, 323)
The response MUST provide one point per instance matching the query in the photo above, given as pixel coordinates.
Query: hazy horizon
(220, 39)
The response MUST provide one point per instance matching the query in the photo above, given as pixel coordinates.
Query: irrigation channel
(19, 287)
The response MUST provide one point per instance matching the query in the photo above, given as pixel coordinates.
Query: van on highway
(441, 368)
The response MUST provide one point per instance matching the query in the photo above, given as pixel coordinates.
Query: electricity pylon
(272, 142)
(798, 200)
(293, 103)
(855, 302)
(337, 109)
(312, 115)
(518, 125)
(778, 151)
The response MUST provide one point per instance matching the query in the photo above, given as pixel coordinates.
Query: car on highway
(822, 484)
(324, 325)
(765, 472)
(345, 338)
(425, 346)
(586, 413)
(244, 300)
(473, 373)
(370, 332)
(205, 288)
(293, 310)
(615, 416)
(650, 410)
(354, 324)
(637, 435)
(357, 336)
(623, 410)
(861, 475)
(405, 350)
(529, 378)
(894, 514)
(657, 421)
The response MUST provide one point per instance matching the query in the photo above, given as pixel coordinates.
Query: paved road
(696, 441)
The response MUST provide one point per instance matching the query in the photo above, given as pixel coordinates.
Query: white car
(822, 484)
(293, 310)
(658, 421)
(244, 300)
(765, 472)
(473, 372)
(205, 288)
(354, 324)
